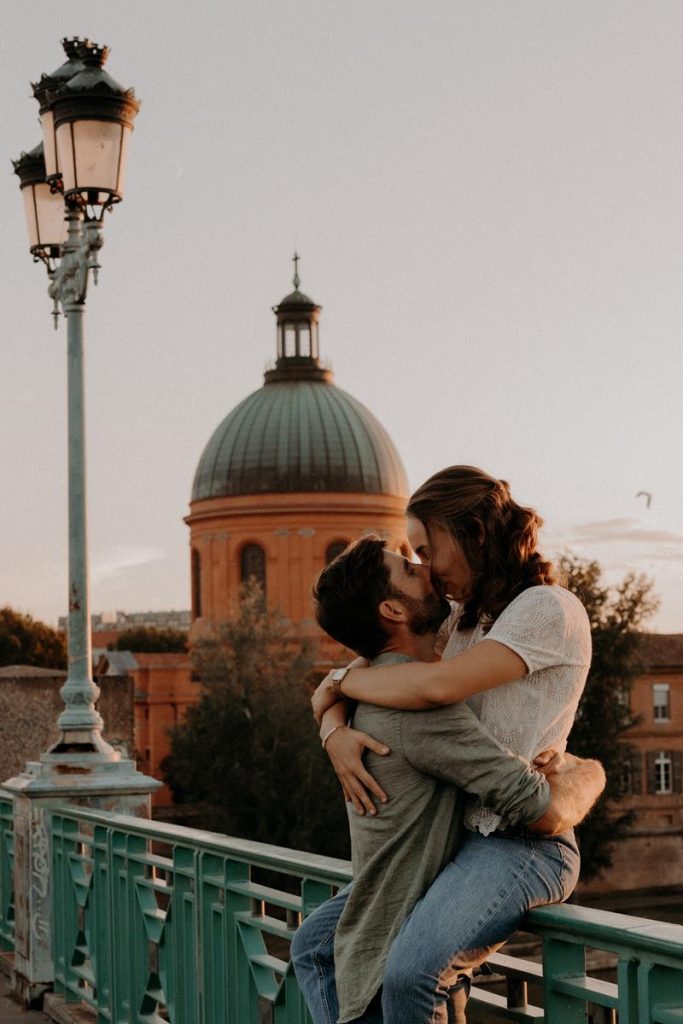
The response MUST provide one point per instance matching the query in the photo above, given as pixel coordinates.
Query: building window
(631, 781)
(334, 549)
(290, 341)
(196, 584)
(253, 565)
(661, 702)
(665, 771)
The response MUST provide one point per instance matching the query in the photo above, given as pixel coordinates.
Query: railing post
(42, 787)
(627, 981)
(561, 960)
(6, 875)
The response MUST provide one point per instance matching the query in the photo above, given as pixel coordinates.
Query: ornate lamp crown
(92, 54)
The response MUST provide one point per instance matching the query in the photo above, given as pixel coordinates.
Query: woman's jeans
(474, 905)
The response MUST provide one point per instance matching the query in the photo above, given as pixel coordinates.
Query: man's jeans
(474, 905)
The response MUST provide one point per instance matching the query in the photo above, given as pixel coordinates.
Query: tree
(23, 641)
(616, 615)
(143, 639)
(247, 755)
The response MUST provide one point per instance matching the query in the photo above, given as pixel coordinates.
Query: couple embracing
(448, 737)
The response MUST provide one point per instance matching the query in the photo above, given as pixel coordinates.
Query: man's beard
(427, 614)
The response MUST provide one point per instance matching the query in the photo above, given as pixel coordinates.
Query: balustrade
(154, 922)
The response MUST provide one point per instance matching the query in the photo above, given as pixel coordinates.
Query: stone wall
(30, 705)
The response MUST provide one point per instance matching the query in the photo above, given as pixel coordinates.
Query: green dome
(298, 435)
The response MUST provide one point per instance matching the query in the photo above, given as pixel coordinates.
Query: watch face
(339, 674)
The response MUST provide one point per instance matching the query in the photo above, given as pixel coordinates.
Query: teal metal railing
(648, 961)
(154, 922)
(6, 874)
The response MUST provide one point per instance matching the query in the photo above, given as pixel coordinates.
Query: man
(385, 608)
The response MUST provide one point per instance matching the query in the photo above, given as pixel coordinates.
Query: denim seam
(321, 974)
(567, 870)
(479, 924)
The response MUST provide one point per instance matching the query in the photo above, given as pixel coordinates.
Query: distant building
(297, 470)
(652, 855)
(107, 627)
(162, 691)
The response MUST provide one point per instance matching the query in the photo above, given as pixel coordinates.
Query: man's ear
(392, 610)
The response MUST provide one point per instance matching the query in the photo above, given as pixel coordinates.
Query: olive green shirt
(397, 854)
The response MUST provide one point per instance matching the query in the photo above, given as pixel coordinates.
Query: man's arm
(575, 785)
(451, 744)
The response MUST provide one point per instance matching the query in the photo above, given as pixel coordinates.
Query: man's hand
(574, 787)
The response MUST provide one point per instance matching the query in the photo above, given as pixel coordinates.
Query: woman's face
(444, 556)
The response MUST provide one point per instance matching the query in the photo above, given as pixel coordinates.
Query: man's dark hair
(348, 593)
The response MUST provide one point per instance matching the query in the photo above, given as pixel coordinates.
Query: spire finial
(295, 260)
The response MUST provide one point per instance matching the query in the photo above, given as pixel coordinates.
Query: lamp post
(68, 183)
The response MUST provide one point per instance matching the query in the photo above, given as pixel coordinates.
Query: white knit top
(548, 628)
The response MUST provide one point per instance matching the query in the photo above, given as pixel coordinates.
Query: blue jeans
(472, 908)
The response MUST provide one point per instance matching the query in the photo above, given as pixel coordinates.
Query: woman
(518, 651)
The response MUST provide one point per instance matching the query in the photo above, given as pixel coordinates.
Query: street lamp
(68, 182)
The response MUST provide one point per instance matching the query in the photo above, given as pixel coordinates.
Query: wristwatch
(339, 675)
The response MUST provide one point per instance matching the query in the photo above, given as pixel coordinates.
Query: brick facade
(652, 855)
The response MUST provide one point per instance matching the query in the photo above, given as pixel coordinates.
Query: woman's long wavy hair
(497, 536)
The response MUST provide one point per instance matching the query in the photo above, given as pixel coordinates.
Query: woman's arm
(344, 747)
(418, 686)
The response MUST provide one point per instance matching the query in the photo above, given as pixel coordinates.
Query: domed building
(291, 475)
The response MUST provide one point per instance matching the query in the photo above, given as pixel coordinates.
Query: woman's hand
(324, 696)
(345, 749)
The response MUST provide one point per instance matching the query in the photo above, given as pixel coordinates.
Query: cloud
(122, 558)
(620, 543)
(622, 531)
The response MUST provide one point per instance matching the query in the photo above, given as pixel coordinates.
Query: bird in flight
(646, 495)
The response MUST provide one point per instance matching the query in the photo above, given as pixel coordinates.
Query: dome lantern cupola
(298, 345)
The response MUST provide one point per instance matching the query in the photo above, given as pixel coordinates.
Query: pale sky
(487, 198)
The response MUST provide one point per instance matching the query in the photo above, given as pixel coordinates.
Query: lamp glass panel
(47, 121)
(97, 146)
(31, 216)
(123, 162)
(52, 226)
(65, 155)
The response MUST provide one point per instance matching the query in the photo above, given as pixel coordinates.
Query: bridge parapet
(159, 922)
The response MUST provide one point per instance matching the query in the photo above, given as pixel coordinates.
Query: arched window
(334, 549)
(253, 565)
(196, 567)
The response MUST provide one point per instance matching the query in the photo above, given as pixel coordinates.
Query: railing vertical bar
(99, 913)
(185, 912)
(6, 875)
(212, 953)
(562, 960)
(238, 973)
(627, 984)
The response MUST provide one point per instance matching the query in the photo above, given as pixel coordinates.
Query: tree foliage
(23, 641)
(143, 639)
(248, 756)
(616, 615)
